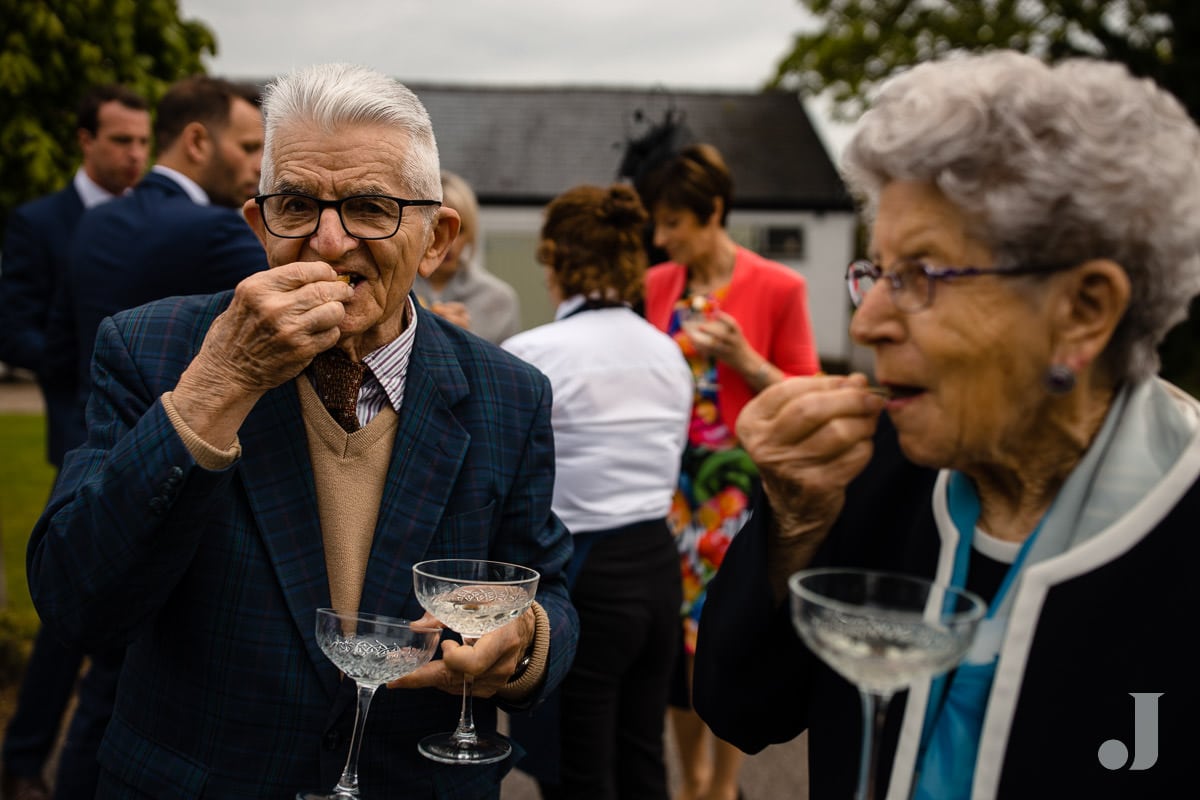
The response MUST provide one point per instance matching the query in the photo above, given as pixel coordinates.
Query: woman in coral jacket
(742, 322)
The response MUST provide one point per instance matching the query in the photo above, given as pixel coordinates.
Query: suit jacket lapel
(277, 472)
(427, 454)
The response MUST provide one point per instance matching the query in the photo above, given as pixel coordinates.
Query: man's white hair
(333, 96)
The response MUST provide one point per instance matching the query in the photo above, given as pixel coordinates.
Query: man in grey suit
(114, 138)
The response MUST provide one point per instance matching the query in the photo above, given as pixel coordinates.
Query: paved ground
(776, 773)
(19, 395)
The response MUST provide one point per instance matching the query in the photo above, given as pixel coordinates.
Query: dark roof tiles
(523, 146)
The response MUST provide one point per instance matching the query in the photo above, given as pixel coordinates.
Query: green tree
(860, 43)
(51, 51)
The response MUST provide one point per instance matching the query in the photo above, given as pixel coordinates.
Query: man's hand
(492, 660)
(809, 437)
(279, 319)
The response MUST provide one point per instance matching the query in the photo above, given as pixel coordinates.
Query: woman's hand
(720, 337)
(809, 437)
(453, 312)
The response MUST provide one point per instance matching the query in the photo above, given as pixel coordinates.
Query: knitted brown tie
(336, 379)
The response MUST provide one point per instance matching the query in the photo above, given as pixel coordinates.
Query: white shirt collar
(91, 193)
(569, 305)
(389, 364)
(198, 195)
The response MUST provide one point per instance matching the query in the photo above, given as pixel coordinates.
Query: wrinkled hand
(453, 312)
(809, 437)
(278, 320)
(492, 660)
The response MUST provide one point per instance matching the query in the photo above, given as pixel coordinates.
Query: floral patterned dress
(715, 481)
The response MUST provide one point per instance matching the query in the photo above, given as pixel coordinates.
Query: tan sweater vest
(349, 470)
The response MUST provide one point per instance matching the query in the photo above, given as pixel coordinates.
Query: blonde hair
(458, 195)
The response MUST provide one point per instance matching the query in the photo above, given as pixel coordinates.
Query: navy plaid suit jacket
(213, 578)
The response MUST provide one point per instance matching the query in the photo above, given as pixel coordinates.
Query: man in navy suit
(179, 232)
(225, 502)
(114, 138)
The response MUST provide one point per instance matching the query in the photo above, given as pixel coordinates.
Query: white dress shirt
(622, 404)
(193, 189)
(91, 193)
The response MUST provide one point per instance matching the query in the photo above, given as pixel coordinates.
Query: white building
(520, 147)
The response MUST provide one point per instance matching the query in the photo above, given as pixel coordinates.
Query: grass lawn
(25, 480)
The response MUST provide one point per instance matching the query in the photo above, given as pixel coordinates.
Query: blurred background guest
(753, 330)
(179, 232)
(114, 139)
(176, 233)
(1035, 234)
(622, 400)
(462, 290)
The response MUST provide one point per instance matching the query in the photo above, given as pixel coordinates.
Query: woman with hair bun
(622, 398)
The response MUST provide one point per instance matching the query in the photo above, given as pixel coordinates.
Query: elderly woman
(461, 289)
(1035, 232)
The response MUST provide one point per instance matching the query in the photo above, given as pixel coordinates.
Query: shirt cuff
(533, 674)
(207, 456)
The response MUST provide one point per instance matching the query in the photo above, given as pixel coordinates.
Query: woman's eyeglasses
(910, 283)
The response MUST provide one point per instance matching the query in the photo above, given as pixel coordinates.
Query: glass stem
(464, 734)
(874, 712)
(348, 783)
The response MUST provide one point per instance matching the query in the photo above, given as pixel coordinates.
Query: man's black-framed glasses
(911, 282)
(291, 215)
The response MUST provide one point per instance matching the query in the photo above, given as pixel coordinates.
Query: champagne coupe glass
(883, 632)
(372, 650)
(471, 597)
(691, 320)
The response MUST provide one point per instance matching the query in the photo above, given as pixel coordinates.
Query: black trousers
(50, 680)
(612, 704)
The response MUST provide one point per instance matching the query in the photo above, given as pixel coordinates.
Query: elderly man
(228, 494)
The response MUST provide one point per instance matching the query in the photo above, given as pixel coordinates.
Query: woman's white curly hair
(1056, 165)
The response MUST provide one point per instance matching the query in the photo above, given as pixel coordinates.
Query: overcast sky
(685, 44)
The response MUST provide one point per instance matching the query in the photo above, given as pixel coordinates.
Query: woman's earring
(1059, 379)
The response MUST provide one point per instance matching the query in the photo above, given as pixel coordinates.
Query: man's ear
(1092, 303)
(253, 214)
(196, 142)
(445, 231)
